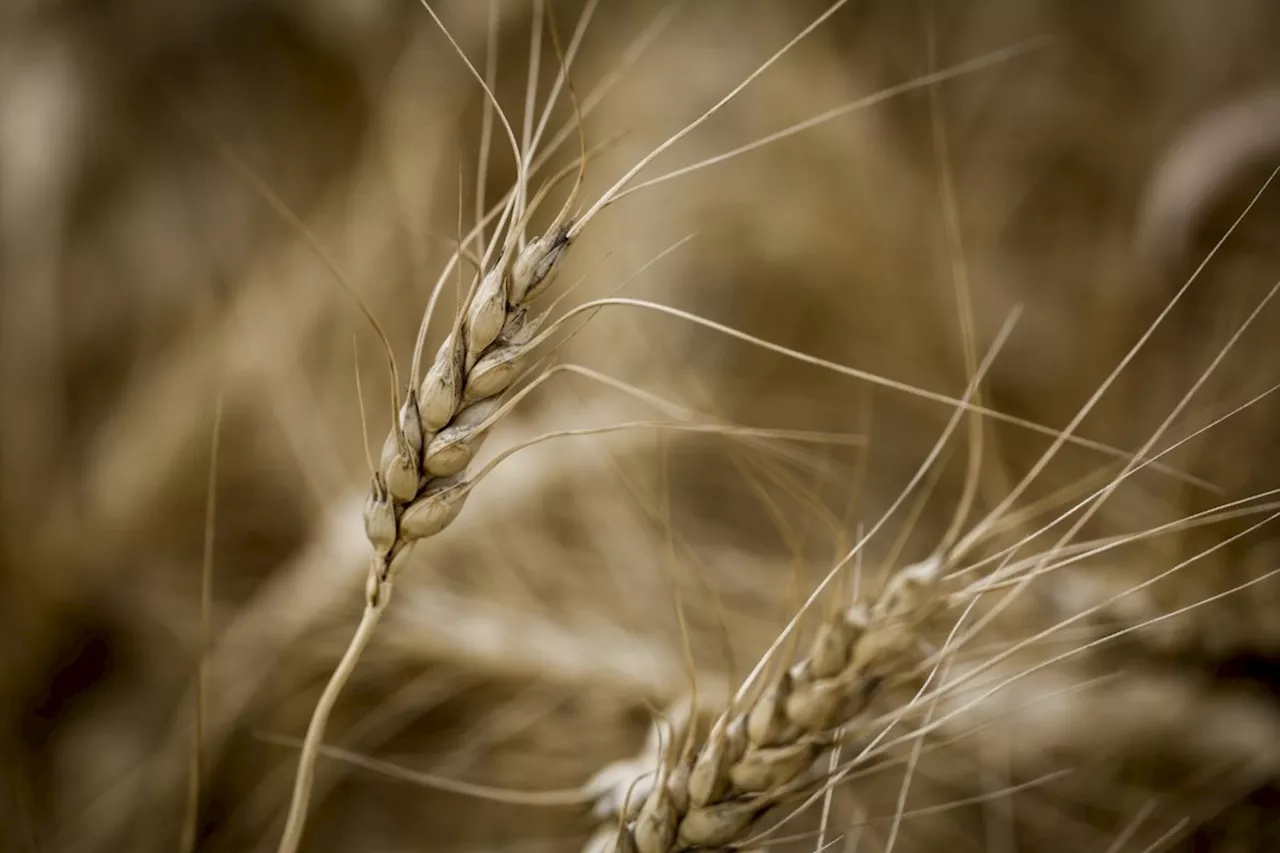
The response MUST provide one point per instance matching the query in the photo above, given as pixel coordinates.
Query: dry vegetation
(823, 605)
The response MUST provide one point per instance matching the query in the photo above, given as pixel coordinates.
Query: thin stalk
(314, 738)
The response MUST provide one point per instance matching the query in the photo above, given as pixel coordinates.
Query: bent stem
(375, 603)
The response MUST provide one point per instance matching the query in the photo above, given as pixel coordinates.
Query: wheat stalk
(420, 484)
(760, 756)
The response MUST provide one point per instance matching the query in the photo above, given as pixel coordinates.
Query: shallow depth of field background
(142, 278)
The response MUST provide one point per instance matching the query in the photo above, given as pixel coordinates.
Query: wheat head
(767, 753)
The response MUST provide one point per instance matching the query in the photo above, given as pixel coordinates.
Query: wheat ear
(420, 484)
(769, 752)
(419, 487)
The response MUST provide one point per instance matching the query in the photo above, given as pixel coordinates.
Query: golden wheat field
(639, 426)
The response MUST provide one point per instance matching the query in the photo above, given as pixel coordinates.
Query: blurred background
(148, 279)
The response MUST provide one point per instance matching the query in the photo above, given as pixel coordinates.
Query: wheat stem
(311, 743)
(191, 817)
